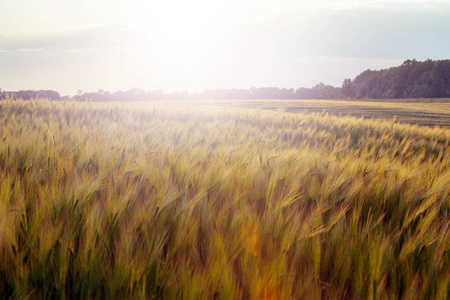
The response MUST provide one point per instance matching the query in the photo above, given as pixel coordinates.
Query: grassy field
(415, 113)
(201, 200)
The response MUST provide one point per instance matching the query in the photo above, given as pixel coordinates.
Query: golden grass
(184, 202)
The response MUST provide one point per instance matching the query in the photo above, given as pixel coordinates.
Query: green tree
(348, 90)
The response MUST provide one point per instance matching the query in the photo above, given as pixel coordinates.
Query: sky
(193, 45)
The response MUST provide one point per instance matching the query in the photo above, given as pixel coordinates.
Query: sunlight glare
(186, 25)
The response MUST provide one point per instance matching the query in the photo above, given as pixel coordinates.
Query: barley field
(194, 201)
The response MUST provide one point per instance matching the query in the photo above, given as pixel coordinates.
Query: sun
(189, 42)
(185, 25)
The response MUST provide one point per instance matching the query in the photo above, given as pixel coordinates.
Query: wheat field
(184, 201)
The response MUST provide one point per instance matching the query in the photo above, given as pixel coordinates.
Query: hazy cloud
(97, 37)
(364, 33)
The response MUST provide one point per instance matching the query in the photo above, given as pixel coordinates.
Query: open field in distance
(418, 113)
(210, 201)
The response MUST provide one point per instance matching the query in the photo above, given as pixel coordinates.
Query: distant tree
(419, 80)
(348, 90)
(441, 78)
(48, 94)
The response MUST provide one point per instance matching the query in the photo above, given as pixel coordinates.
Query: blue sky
(192, 45)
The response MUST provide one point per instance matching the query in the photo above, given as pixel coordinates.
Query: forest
(413, 79)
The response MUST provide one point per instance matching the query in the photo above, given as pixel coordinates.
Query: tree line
(413, 79)
(30, 94)
(319, 91)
